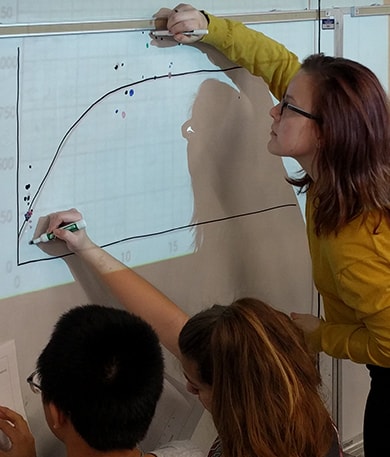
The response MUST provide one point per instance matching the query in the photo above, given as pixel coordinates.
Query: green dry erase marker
(73, 227)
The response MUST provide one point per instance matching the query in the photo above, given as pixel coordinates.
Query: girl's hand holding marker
(72, 227)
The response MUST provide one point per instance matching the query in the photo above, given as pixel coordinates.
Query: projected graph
(121, 161)
(97, 124)
(153, 145)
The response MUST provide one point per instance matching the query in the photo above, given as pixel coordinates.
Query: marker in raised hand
(167, 33)
(72, 227)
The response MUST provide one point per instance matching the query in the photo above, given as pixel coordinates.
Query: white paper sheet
(10, 393)
(177, 415)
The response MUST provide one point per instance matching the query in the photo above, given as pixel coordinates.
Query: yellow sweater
(351, 271)
(254, 51)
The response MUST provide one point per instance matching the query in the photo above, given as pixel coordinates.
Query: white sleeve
(183, 448)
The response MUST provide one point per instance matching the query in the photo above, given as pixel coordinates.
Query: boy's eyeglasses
(33, 381)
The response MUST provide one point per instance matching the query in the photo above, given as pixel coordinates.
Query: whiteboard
(92, 133)
(99, 122)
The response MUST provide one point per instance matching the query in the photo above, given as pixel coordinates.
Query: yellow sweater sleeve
(259, 54)
(366, 286)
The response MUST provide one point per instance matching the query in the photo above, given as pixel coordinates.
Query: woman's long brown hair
(265, 384)
(353, 156)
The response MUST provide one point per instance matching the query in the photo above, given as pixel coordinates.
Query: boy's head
(103, 369)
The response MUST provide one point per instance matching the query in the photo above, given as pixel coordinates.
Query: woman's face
(195, 385)
(293, 134)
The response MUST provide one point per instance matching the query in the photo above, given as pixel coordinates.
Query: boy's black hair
(103, 367)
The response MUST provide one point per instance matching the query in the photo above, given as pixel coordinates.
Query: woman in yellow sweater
(333, 118)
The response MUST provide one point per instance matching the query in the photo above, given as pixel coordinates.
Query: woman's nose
(274, 112)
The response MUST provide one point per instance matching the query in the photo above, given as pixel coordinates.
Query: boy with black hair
(100, 377)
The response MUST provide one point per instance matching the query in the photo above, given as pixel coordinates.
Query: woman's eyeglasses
(284, 105)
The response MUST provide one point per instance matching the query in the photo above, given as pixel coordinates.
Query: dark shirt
(334, 451)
